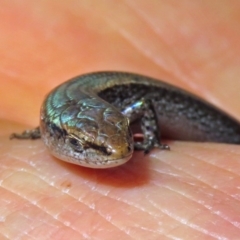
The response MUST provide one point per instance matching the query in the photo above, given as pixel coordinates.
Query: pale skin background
(191, 192)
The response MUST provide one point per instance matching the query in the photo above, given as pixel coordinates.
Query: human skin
(190, 192)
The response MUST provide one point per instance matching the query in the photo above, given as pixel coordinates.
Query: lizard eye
(75, 143)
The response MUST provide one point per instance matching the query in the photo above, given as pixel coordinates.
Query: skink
(88, 119)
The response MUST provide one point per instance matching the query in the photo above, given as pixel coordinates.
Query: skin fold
(191, 192)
